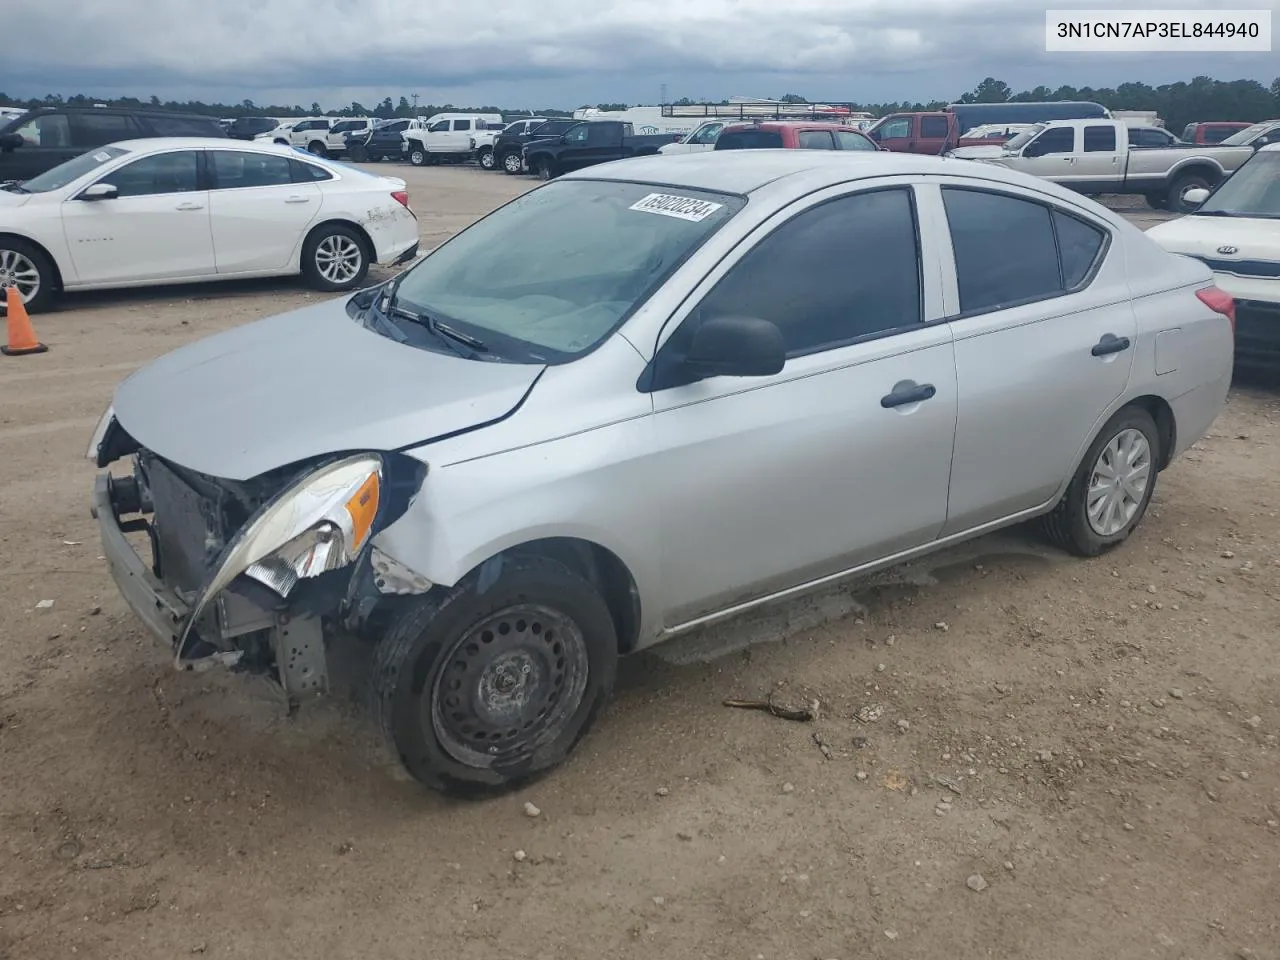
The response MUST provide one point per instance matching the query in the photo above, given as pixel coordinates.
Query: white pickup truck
(446, 136)
(1094, 157)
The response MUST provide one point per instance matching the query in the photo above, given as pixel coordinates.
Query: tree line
(1202, 98)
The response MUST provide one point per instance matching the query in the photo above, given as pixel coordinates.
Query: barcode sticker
(682, 208)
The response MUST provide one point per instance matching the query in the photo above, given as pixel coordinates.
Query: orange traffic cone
(22, 337)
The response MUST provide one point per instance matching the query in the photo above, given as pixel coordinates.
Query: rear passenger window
(91, 129)
(1099, 139)
(181, 127)
(1079, 245)
(845, 269)
(815, 140)
(308, 172)
(1010, 251)
(933, 127)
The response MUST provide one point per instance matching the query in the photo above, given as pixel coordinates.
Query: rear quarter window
(749, 140)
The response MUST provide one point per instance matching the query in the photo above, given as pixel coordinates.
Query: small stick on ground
(799, 714)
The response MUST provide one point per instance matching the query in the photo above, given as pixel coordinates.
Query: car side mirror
(736, 347)
(1195, 196)
(100, 191)
(11, 141)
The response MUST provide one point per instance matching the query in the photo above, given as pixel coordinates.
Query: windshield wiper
(442, 331)
(13, 186)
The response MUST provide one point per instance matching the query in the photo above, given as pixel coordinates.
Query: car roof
(131, 111)
(802, 171)
(159, 144)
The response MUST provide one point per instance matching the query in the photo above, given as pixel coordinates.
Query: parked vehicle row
(532, 482)
(175, 210)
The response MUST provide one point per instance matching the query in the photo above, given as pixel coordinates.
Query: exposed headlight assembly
(319, 524)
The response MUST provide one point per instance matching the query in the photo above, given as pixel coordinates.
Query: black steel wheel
(483, 689)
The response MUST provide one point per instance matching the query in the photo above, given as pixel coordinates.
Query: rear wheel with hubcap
(481, 690)
(335, 257)
(1112, 487)
(23, 266)
(1177, 201)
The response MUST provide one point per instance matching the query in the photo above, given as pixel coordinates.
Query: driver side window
(845, 269)
(158, 174)
(438, 126)
(708, 134)
(1057, 140)
(895, 129)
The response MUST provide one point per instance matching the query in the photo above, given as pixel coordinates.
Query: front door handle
(1110, 344)
(908, 391)
(189, 205)
(296, 199)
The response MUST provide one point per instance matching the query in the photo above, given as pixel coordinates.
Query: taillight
(1219, 301)
(402, 197)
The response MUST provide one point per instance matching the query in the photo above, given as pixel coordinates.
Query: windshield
(552, 273)
(1242, 138)
(1252, 191)
(71, 170)
(1022, 139)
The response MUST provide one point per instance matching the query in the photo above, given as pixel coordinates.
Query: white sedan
(177, 210)
(1236, 231)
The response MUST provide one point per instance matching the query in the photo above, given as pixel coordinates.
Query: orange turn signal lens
(363, 508)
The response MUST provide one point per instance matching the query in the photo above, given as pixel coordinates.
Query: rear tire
(1128, 446)
(335, 257)
(1179, 189)
(482, 688)
(24, 266)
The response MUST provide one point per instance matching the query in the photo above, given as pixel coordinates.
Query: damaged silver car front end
(253, 575)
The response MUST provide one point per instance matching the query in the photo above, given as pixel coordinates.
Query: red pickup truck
(1212, 131)
(792, 135)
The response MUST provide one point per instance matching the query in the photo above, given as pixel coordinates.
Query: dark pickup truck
(508, 146)
(589, 142)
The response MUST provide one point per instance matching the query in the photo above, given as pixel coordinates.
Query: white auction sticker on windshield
(683, 208)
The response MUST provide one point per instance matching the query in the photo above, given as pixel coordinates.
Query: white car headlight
(327, 519)
(321, 523)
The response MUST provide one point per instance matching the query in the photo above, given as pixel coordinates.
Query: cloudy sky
(549, 53)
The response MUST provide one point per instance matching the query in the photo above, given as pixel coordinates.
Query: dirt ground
(1057, 758)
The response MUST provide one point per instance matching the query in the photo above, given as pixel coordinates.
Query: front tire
(335, 258)
(418, 155)
(486, 160)
(512, 163)
(483, 687)
(317, 149)
(24, 266)
(543, 170)
(1112, 487)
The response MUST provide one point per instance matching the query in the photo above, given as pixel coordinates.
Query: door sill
(870, 567)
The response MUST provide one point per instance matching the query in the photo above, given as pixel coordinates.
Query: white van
(446, 136)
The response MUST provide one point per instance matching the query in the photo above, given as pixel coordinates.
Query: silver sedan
(643, 397)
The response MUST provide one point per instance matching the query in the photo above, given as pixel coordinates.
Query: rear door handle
(1109, 344)
(297, 199)
(189, 205)
(908, 391)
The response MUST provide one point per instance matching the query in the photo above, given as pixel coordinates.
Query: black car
(383, 142)
(589, 142)
(41, 139)
(509, 146)
(246, 128)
